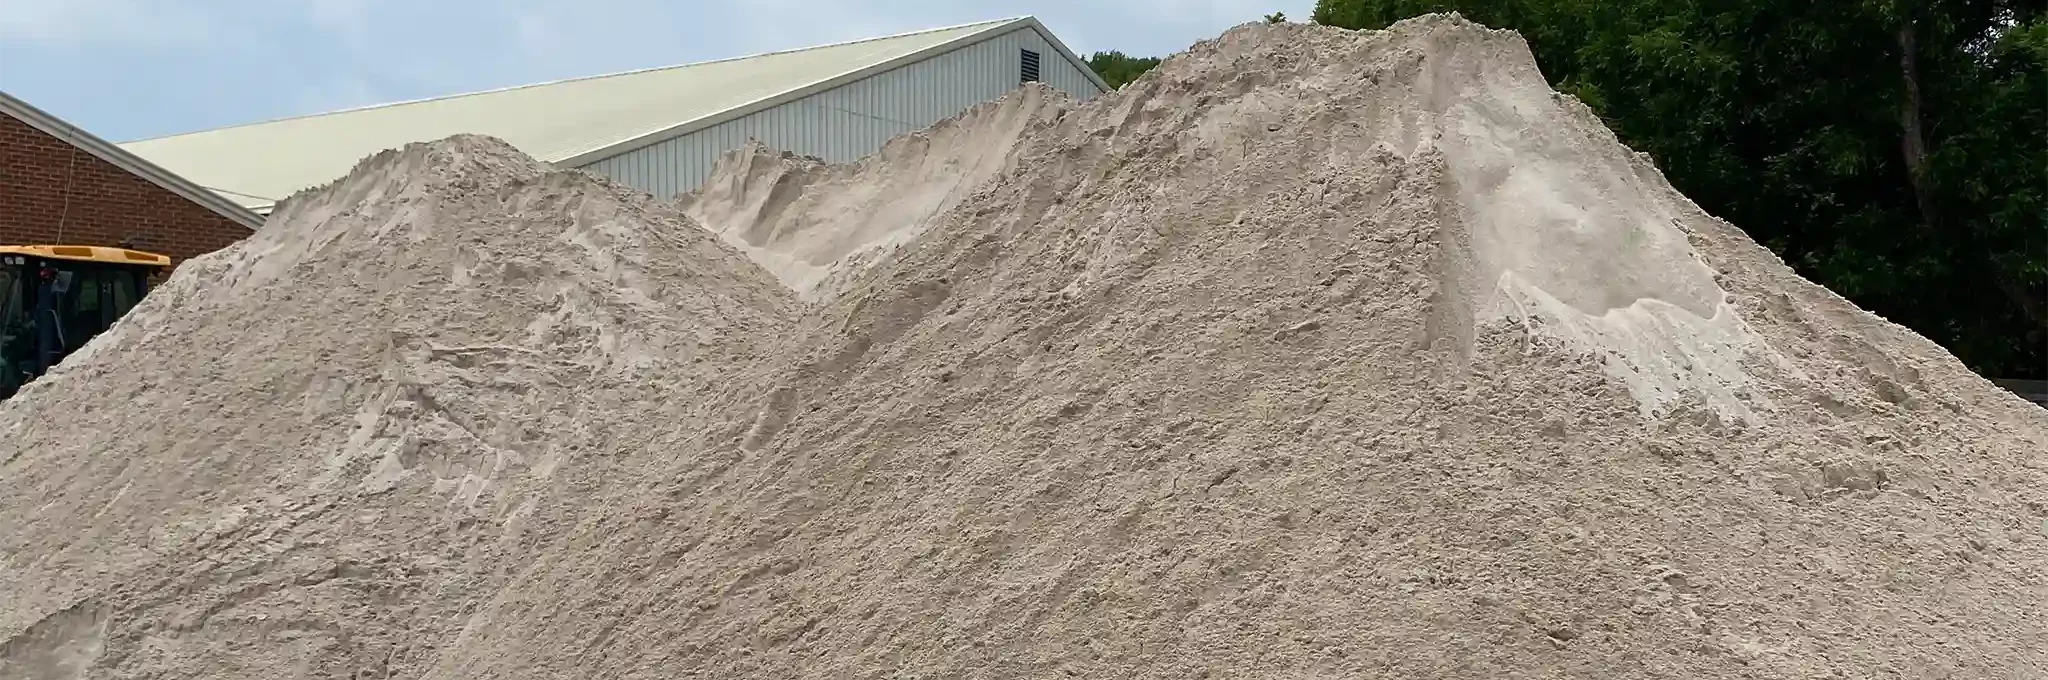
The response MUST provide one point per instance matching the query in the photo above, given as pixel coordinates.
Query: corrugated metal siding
(853, 120)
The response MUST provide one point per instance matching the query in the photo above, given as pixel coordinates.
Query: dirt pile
(307, 452)
(816, 225)
(1310, 354)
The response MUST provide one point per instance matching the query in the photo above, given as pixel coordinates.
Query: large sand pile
(1311, 354)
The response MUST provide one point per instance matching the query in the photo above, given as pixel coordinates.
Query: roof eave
(1101, 85)
(136, 165)
(645, 140)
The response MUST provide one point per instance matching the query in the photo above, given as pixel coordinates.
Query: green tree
(1276, 18)
(1895, 151)
(1117, 68)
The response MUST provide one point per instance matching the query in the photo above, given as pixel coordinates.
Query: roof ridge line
(792, 93)
(628, 72)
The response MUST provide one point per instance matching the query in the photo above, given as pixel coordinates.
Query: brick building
(60, 185)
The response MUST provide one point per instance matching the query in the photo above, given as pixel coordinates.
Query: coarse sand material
(307, 453)
(1311, 353)
(816, 225)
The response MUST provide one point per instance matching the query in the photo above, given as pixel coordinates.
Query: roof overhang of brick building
(106, 151)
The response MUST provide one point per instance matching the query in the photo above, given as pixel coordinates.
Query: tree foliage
(1895, 151)
(1117, 68)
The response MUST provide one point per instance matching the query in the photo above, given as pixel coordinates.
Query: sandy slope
(816, 225)
(1310, 354)
(306, 451)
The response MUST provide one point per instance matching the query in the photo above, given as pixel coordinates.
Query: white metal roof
(569, 122)
(106, 151)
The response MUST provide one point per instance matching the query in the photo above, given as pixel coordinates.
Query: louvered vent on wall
(1029, 73)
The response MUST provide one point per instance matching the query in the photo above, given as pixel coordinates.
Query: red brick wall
(54, 193)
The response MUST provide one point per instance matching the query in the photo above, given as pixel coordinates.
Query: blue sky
(132, 69)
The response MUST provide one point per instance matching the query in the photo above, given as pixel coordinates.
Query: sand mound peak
(1547, 219)
(304, 430)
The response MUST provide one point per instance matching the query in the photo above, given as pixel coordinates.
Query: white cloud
(537, 33)
(131, 23)
(341, 13)
(772, 25)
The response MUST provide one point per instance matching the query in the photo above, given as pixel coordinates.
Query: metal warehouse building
(657, 129)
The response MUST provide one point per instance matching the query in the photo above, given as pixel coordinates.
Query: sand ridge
(817, 225)
(1312, 353)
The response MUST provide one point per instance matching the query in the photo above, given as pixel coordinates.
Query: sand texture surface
(816, 226)
(1310, 354)
(308, 453)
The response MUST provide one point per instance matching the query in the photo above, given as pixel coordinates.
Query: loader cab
(53, 299)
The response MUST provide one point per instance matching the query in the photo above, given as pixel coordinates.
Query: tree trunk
(1914, 141)
(1913, 145)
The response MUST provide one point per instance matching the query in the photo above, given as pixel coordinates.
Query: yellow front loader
(53, 299)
